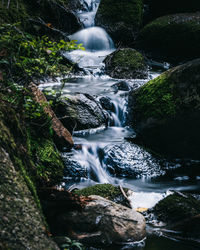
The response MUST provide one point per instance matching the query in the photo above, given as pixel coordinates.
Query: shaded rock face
(126, 64)
(120, 18)
(80, 112)
(135, 162)
(103, 222)
(172, 38)
(157, 8)
(21, 225)
(166, 112)
(59, 14)
(181, 212)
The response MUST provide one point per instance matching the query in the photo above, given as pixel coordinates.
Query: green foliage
(25, 57)
(71, 245)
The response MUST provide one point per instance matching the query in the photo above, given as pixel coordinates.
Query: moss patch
(156, 98)
(121, 18)
(126, 63)
(104, 190)
(177, 207)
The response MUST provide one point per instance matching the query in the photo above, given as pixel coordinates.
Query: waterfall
(98, 44)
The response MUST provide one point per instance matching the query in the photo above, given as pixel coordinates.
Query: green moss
(177, 207)
(157, 98)
(104, 190)
(126, 63)
(127, 11)
(49, 166)
(128, 58)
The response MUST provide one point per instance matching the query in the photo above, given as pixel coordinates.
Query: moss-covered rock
(107, 191)
(157, 8)
(21, 224)
(29, 141)
(126, 63)
(166, 111)
(174, 37)
(181, 212)
(120, 18)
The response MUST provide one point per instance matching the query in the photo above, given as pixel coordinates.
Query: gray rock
(131, 160)
(80, 112)
(103, 222)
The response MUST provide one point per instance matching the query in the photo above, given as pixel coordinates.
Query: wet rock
(126, 64)
(80, 112)
(107, 191)
(121, 20)
(165, 112)
(131, 160)
(102, 222)
(62, 136)
(181, 212)
(21, 224)
(172, 38)
(107, 103)
(122, 85)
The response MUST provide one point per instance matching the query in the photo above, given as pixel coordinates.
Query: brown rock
(63, 137)
(103, 222)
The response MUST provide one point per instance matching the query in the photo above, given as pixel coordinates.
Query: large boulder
(157, 8)
(121, 19)
(174, 37)
(166, 112)
(81, 111)
(107, 191)
(181, 212)
(103, 222)
(126, 63)
(21, 225)
(136, 162)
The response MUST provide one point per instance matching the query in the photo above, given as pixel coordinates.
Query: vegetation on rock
(120, 18)
(126, 63)
(164, 110)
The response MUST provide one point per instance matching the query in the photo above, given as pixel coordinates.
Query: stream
(106, 155)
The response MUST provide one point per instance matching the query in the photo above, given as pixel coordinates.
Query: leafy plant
(71, 244)
(24, 57)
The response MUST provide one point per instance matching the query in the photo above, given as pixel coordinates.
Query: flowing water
(106, 155)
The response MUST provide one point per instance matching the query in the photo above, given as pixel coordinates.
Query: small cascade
(97, 42)
(118, 116)
(90, 157)
(88, 14)
(93, 39)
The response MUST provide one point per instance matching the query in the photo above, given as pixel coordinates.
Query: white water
(147, 192)
(97, 43)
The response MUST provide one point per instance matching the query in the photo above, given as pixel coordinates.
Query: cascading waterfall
(97, 43)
